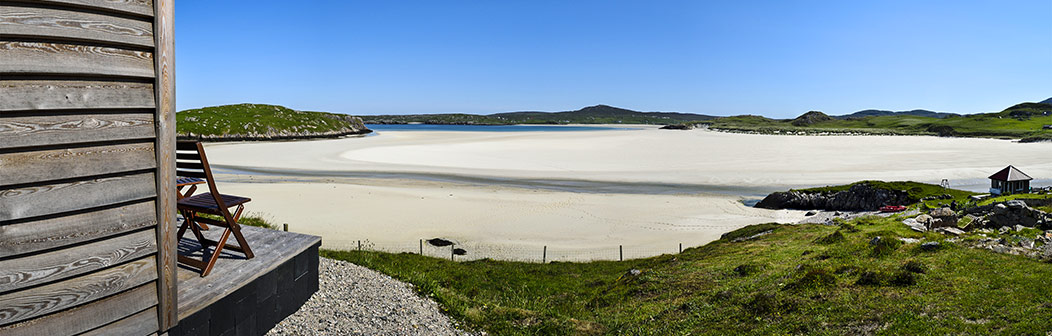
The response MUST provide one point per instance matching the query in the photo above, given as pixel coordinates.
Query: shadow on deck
(247, 297)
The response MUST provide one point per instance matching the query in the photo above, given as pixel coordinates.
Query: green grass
(250, 219)
(1022, 121)
(260, 119)
(791, 281)
(1005, 198)
(915, 190)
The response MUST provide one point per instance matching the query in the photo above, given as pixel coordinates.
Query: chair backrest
(191, 161)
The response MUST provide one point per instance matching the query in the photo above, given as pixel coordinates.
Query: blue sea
(493, 128)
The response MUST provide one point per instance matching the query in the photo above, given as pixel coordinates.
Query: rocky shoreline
(859, 197)
(352, 126)
(272, 136)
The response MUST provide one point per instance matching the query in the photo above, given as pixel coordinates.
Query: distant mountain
(1046, 101)
(598, 114)
(603, 112)
(881, 113)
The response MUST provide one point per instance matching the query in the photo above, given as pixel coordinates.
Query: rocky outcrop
(1009, 214)
(810, 118)
(859, 197)
(678, 127)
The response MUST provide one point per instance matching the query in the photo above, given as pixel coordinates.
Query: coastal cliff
(247, 122)
(858, 197)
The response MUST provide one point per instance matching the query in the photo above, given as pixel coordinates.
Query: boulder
(929, 246)
(913, 224)
(942, 217)
(950, 231)
(925, 220)
(1010, 214)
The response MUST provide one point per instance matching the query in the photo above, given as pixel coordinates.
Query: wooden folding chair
(192, 162)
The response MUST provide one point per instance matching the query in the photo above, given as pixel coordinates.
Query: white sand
(395, 213)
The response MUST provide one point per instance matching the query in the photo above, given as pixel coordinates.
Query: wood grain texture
(57, 164)
(54, 94)
(33, 236)
(89, 316)
(73, 59)
(72, 24)
(167, 262)
(137, 7)
(17, 131)
(43, 300)
(31, 201)
(230, 274)
(142, 323)
(65, 263)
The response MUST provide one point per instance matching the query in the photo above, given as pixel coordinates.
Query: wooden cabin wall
(86, 133)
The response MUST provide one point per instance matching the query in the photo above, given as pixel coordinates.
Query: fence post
(680, 247)
(544, 256)
(620, 252)
(286, 227)
(451, 249)
(421, 247)
(359, 245)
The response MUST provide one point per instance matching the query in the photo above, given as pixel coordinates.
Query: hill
(871, 275)
(1022, 121)
(881, 113)
(598, 114)
(263, 122)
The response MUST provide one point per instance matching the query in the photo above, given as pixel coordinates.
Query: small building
(1009, 181)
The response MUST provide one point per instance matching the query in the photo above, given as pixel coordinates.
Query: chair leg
(211, 262)
(238, 236)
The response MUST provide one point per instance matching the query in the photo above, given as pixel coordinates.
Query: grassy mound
(259, 120)
(916, 191)
(784, 282)
(1022, 121)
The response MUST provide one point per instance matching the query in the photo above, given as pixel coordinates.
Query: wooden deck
(282, 258)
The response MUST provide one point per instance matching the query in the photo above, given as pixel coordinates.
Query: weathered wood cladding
(36, 301)
(43, 268)
(24, 167)
(36, 130)
(23, 95)
(86, 104)
(79, 227)
(21, 19)
(89, 316)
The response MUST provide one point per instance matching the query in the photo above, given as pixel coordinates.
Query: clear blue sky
(775, 58)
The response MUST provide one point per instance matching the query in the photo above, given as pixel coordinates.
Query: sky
(772, 58)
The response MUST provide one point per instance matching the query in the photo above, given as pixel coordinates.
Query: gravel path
(354, 300)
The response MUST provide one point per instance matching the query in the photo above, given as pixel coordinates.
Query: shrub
(749, 231)
(904, 278)
(768, 304)
(746, 269)
(883, 246)
(914, 266)
(813, 278)
(870, 278)
(834, 237)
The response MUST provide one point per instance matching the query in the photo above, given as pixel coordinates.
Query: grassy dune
(797, 279)
(1022, 121)
(260, 119)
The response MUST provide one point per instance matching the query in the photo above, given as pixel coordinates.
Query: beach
(582, 194)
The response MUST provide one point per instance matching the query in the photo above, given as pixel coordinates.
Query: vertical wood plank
(164, 56)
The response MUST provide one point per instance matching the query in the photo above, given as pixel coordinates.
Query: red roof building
(1009, 181)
